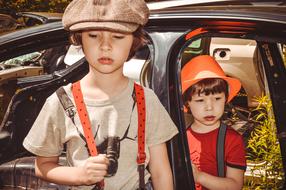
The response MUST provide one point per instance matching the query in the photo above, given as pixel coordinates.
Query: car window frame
(175, 94)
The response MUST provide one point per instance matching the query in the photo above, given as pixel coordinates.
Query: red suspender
(85, 122)
(140, 100)
(84, 119)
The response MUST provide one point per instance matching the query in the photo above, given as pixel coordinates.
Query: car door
(258, 63)
(30, 59)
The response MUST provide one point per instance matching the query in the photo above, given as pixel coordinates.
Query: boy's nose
(209, 105)
(105, 44)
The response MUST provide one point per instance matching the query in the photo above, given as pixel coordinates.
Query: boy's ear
(189, 119)
(187, 108)
(135, 46)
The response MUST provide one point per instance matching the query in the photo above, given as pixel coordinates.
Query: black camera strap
(220, 150)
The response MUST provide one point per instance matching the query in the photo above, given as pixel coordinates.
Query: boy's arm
(232, 181)
(93, 171)
(160, 169)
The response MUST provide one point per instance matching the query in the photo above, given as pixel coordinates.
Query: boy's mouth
(209, 118)
(105, 60)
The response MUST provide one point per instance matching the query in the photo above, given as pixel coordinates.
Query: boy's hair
(207, 86)
(138, 41)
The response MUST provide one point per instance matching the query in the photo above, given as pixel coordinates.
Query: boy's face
(106, 51)
(207, 110)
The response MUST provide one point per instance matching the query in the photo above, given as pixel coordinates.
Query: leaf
(263, 147)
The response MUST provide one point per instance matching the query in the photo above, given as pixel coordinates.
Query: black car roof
(270, 13)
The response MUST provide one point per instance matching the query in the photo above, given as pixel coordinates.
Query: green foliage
(284, 53)
(263, 150)
(35, 5)
(57, 6)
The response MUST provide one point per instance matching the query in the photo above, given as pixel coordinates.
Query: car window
(22, 60)
(32, 64)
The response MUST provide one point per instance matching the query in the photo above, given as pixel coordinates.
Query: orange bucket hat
(205, 66)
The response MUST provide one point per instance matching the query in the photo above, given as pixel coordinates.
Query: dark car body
(170, 32)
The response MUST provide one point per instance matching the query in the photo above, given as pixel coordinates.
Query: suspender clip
(141, 157)
(71, 112)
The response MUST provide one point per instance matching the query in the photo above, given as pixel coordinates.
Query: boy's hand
(196, 172)
(94, 169)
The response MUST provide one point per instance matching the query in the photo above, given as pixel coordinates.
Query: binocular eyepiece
(112, 153)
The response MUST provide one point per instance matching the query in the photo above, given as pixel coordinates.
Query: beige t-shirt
(115, 117)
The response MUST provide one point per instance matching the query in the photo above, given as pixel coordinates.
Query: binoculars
(112, 153)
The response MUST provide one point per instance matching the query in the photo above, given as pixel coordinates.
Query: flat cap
(116, 15)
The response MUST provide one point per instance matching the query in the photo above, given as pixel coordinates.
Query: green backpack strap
(220, 150)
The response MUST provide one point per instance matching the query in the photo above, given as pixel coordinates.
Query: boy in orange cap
(109, 33)
(206, 90)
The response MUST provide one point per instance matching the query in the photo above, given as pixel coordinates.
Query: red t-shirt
(203, 150)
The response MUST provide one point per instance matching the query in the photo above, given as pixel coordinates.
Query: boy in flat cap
(206, 90)
(104, 138)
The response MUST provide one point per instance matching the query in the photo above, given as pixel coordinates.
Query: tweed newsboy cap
(115, 15)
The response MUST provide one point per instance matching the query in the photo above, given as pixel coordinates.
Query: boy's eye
(217, 98)
(92, 35)
(199, 100)
(118, 36)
